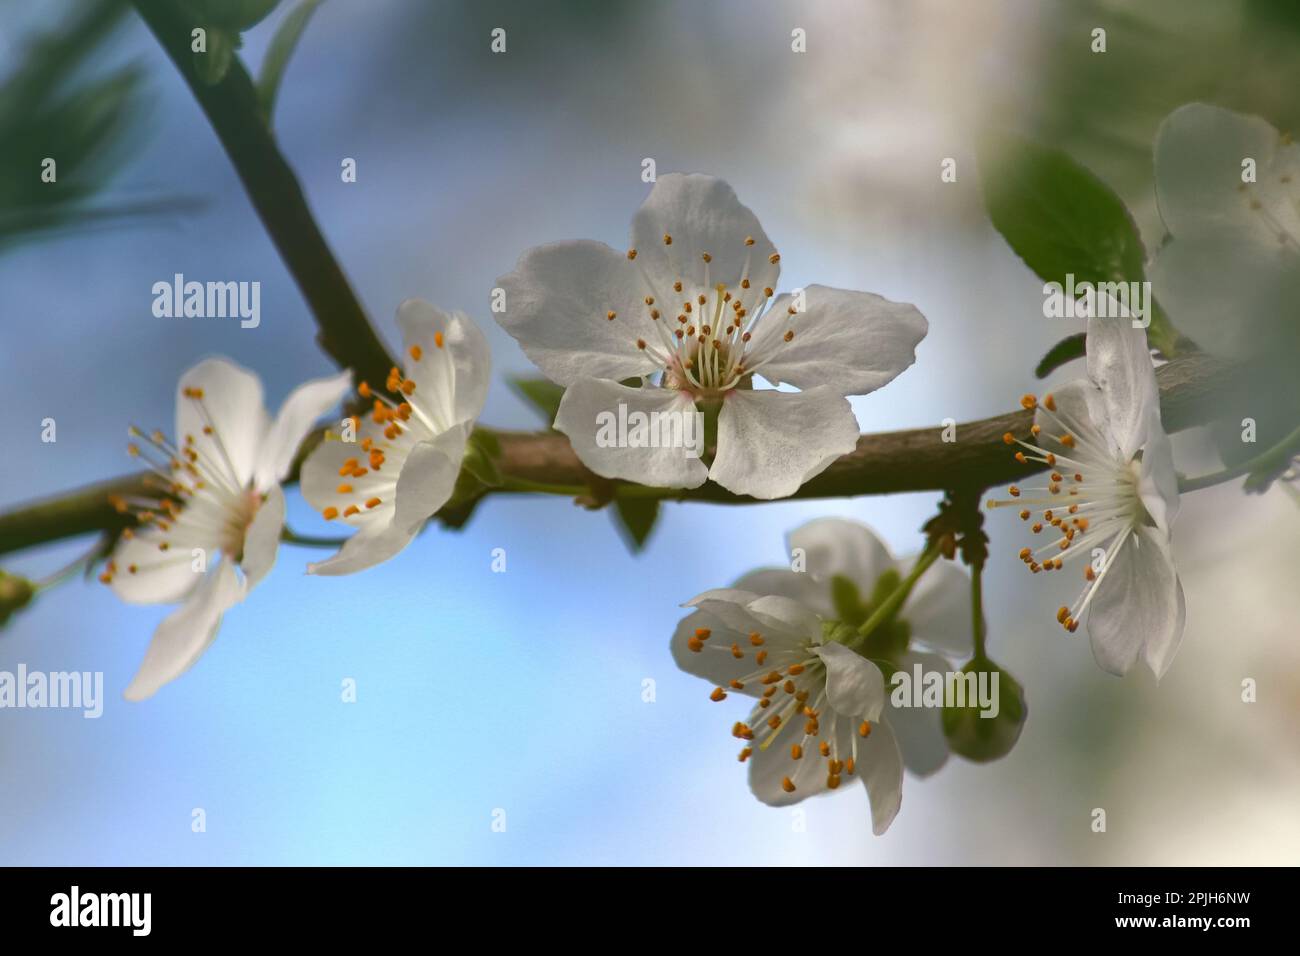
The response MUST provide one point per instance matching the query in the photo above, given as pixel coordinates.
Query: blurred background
(522, 691)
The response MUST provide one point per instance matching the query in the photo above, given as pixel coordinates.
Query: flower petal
(1198, 155)
(880, 765)
(714, 661)
(734, 609)
(835, 546)
(1119, 363)
(775, 613)
(600, 417)
(185, 634)
(1158, 479)
(938, 610)
(231, 405)
(160, 577)
(455, 365)
(769, 767)
(799, 586)
(373, 544)
(919, 729)
(427, 479)
(703, 215)
(854, 685)
(770, 442)
(300, 411)
(262, 540)
(1232, 297)
(1137, 603)
(854, 342)
(557, 301)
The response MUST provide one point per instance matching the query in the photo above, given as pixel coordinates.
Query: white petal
(939, 609)
(1119, 363)
(768, 768)
(854, 685)
(1159, 650)
(799, 586)
(770, 442)
(232, 406)
(1226, 294)
(1198, 154)
(853, 342)
(426, 481)
(703, 215)
(185, 634)
(1137, 602)
(556, 305)
(590, 414)
(1158, 480)
(776, 613)
(835, 546)
(373, 544)
(1081, 410)
(160, 577)
(452, 377)
(919, 729)
(428, 477)
(714, 661)
(733, 608)
(880, 765)
(262, 540)
(300, 411)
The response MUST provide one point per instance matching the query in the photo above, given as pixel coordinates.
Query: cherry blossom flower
(1228, 188)
(1110, 499)
(407, 452)
(690, 310)
(213, 530)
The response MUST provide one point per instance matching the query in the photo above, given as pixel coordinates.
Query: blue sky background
(523, 691)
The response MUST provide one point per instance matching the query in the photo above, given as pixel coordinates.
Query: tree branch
(231, 107)
(887, 463)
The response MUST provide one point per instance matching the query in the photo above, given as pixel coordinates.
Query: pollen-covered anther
(718, 694)
(756, 639)
(736, 652)
(611, 315)
(864, 728)
(1049, 402)
(796, 752)
(330, 513)
(1028, 401)
(631, 254)
(787, 785)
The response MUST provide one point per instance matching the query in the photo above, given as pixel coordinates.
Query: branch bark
(231, 107)
(887, 463)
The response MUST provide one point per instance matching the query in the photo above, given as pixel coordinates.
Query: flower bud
(15, 594)
(985, 731)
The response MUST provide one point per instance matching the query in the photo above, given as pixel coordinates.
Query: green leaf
(1067, 350)
(277, 54)
(541, 393)
(635, 519)
(1062, 220)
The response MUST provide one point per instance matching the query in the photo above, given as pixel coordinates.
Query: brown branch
(231, 106)
(916, 460)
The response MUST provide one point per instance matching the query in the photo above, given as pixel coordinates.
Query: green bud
(15, 594)
(981, 738)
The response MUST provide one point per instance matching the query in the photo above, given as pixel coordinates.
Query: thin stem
(234, 112)
(891, 604)
(289, 536)
(977, 608)
(1275, 457)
